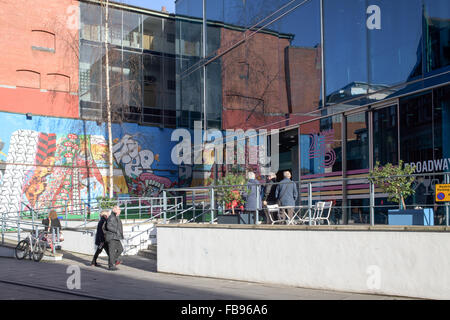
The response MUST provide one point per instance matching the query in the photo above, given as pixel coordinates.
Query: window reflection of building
(142, 60)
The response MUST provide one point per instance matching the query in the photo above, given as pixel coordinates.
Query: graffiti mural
(137, 167)
(63, 163)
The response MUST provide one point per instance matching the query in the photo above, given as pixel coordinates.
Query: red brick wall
(254, 81)
(305, 78)
(43, 80)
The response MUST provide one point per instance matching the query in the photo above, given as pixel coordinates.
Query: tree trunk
(108, 102)
(403, 203)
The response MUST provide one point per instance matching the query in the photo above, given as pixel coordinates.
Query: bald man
(287, 194)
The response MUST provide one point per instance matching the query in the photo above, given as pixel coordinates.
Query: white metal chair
(271, 208)
(326, 208)
(317, 212)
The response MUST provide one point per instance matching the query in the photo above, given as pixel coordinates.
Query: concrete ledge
(389, 260)
(310, 228)
(56, 257)
(7, 251)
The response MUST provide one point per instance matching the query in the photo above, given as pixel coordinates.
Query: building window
(171, 84)
(58, 82)
(357, 142)
(416, 128)
(171, 38)
(385, 135)
(28, 79)
(436, 19)
(43, 40)
(132, 30)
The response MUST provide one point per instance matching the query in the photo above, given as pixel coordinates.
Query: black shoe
(113, 268)
(94, 264)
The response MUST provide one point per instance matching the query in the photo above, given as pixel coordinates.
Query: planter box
(238, 218)
(422, 217)
(228, 219)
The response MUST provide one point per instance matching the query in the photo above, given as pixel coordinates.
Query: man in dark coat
(100, 237)
(113, 235)
(269, 195)
(252, 200)
(287, 194)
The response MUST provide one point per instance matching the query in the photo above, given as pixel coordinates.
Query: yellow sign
(442, 192)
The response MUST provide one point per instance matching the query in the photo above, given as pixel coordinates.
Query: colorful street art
(137, 167)
(50, 162)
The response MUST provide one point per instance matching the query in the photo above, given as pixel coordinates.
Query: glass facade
(142, 65)
(366, 82)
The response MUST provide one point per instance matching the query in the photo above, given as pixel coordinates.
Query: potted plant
(106, 203)
(397, 182)
(230, 195)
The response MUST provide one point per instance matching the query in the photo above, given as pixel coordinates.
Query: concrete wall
(7, 252)
(376, 260)
(79, 242)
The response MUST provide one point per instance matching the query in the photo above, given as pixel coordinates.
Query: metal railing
(355, 200)
(18, 225)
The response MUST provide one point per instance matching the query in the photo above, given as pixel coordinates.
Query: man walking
(113, 235)
(287, 194)
(269, 195)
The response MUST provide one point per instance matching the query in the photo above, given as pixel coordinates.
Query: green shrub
(396, 181)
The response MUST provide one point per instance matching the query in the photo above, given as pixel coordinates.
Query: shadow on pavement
(127, 283)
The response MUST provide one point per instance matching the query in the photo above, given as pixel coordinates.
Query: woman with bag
(100, 237)
(52, 224)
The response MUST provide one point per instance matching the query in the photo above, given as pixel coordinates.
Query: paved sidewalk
(137, 279)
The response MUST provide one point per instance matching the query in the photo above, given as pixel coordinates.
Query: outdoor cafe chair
(327, 210)
(273, 208)
(317, 212)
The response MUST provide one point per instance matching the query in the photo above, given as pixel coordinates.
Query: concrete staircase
(150, 252)
(138, 237)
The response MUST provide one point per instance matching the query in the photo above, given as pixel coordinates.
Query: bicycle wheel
(22, 249)
(38, 251)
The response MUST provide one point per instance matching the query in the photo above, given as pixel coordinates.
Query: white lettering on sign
(430, 165)
(374, 20)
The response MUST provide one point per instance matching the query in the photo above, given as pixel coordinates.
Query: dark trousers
(115, 250)
(270, 215)
(100, 248)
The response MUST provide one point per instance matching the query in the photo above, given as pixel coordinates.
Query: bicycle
(31, 246)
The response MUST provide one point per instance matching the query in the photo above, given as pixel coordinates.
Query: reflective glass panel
(114, 26)
(441, 115)
(90, 16)
(132, 30)
(357, 142)
(416, 130)
(152, 81)
(321, 146)
(153, 34)
(437, 25)
(385, 135)
(345, 49)
(394, 41)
